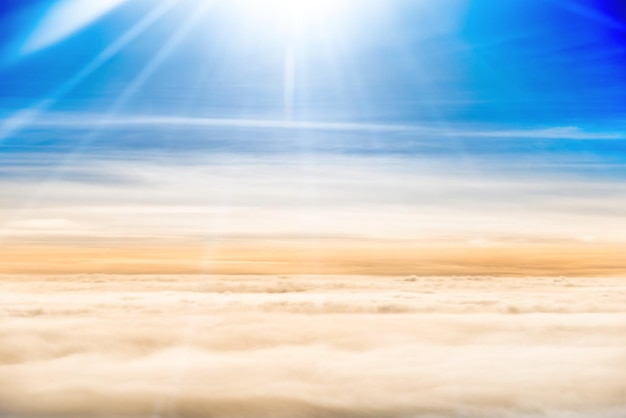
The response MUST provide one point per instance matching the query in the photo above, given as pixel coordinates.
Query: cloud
(194, 346)
(340, 214)
(44, 224)
(104, 122)
(373, 197)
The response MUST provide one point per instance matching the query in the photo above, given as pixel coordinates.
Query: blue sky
(514, 62)
(457, 121)
(452, 67)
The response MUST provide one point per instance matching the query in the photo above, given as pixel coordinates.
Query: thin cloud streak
(81, 121)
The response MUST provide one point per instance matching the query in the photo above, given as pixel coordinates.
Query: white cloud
(78, 120)
(383, 198)
(311, 346)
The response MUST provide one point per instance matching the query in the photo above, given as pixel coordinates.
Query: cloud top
(246, 346)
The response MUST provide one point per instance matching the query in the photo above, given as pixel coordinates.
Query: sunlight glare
(293, 16)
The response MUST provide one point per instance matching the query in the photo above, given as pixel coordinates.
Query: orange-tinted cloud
(319, 257)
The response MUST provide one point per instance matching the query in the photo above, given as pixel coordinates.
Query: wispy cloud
(459, 130)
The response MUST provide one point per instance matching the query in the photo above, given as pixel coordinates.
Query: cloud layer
(336, 346)
(233, 213)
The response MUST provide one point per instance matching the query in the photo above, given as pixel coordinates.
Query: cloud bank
(305, 214)
(336, 346)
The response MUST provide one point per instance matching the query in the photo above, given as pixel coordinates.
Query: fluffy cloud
(193, 346)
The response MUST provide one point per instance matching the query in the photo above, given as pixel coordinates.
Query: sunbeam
(64, 19)
(295, 17)
(23, 118)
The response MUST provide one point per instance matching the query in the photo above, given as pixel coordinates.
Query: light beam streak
(21, 119)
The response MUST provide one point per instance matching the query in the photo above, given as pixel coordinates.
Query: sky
(353, 137)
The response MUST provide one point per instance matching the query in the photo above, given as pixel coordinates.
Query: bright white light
(294, 16)
(64, 19)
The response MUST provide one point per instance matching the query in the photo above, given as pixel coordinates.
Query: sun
(293, 16)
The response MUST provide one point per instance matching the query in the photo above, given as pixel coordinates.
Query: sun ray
(64, 19)
(21, 119)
